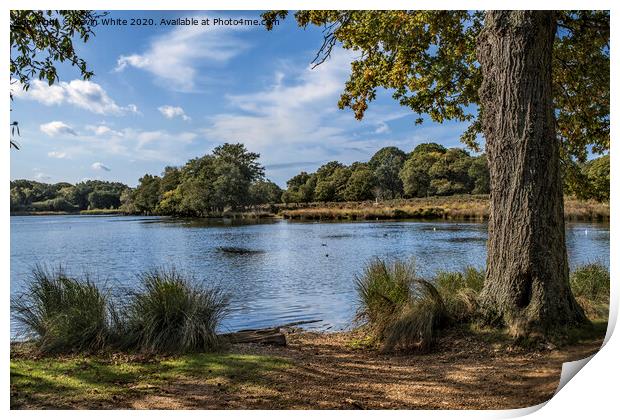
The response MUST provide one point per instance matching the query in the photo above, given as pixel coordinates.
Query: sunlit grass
(80, 381)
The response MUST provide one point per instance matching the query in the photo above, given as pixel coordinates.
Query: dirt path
(326, 373)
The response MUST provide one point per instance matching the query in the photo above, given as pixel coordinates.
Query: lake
(296, 270)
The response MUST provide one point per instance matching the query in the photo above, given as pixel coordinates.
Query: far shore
(458, 207)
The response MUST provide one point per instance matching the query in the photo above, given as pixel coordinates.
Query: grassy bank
(420, 345)
(113, 380)
(460, 207)
(471, 366)
(470, 369)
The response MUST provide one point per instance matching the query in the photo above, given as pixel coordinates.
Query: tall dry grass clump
(590, 284)
(402, 311)
(169, 313)
(172, 313)
(62, 313)
(459, 291)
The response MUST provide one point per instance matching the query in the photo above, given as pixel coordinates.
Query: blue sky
(162, 95)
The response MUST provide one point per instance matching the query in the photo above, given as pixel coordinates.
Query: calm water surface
(298, 271)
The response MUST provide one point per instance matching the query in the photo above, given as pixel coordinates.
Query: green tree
(360, 185)
(146, 195)
(426, 148)
(519, 69)
(387, 163)
(416, 181)
(170, 179)
(300, 188)
(340, 180)
(384, 154)
(237, 155)
(589, 180)
(324, 191)
(265, 192)
(103, 200)
(479, 173)
(597, 172)
(331, 181)
(327, 170)
(127, 202)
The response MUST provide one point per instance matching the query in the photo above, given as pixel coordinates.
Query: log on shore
(274, 336)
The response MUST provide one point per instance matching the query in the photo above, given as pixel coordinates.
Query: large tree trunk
(527, 270)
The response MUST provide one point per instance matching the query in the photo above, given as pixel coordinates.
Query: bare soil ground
(327, 371)
(328, 374)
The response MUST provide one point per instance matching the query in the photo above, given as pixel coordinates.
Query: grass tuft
(65, 314)
(590, 285)
(402, 311)
(459, 291)
(171, 313)
(591, 281)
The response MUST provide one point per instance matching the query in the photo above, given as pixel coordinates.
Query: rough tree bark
(527, 270)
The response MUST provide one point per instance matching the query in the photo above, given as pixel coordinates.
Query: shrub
(62, 313)
(402, 311)
(459, 291)
(171, 313)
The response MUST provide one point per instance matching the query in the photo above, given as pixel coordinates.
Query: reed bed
(459, 207)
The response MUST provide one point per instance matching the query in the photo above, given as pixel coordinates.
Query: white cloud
(295, 116)
(153, 145)
(57, 128)
(382, 128)
(98, 166)
(102, 130)
(40, 176)
(170, 112)
(155, 139)
(134, 60)
(80, 93)
(175, 58)
(133, 108)
(302, 110)
(57, 155)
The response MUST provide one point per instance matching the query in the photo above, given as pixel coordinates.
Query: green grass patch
(91, 381)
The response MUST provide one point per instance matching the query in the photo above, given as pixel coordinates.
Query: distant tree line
(38, 196)
(429, 170)
(232, 178)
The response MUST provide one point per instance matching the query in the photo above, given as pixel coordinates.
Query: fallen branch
(273, 336)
